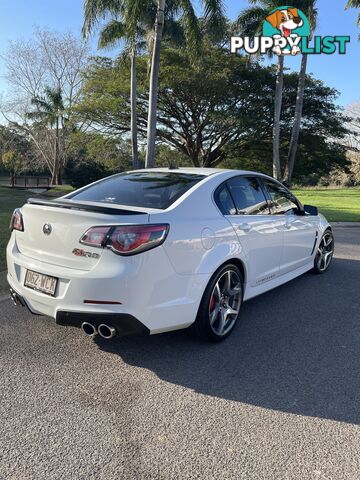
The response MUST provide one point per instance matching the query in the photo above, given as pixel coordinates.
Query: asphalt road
(280, 399)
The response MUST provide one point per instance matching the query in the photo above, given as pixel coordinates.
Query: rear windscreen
(139, 189)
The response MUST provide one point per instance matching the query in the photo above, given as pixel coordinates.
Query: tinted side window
(281, 200)
(224, 201)
(248, 197)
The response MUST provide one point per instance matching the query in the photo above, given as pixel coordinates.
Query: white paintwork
(162, 287)
(262, 238)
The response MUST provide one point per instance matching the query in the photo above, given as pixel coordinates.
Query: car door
(259, 233)
(299, 229)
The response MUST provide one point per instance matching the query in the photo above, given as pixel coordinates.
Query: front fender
(323, 224)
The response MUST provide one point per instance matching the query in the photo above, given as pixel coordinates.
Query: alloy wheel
(325, 252)
(225, 302)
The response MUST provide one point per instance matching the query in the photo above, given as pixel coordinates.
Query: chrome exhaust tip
(106, 331)
(89, 329)
(15, 298)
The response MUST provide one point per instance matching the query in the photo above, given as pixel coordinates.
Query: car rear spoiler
(81, 206)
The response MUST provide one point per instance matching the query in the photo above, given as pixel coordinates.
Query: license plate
(40, 282)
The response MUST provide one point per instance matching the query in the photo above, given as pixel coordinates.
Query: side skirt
(251, 292)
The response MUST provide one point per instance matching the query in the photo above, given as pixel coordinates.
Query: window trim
(243, 175)
(215, 197)
(269, 200)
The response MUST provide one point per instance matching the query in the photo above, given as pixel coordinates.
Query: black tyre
(220, 305)
(324, 253)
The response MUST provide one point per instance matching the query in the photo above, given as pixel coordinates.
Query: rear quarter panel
(200, 238)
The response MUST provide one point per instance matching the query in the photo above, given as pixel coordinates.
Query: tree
(13, 161)
(14, 140)
(354, 4)
(93, 156)
(133, 28)
(201, 109)
(128, 29)
(250, 22)
(308, 7)
(217, 111)
(352, 141)
(213, 12)
(105, 100)
(50, 112)
(112, 153)
(324, 128)
(110, 34)
(46, 60)
(135, 13)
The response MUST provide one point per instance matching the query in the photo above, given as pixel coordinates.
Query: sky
(19, 17)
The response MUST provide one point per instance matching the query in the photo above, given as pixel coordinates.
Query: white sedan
(162, 249)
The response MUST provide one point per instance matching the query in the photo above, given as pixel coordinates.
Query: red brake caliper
(212, 303)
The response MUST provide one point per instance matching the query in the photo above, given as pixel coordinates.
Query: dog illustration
(286, 21)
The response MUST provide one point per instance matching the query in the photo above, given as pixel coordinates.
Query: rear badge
(47, 229)
(78, 252)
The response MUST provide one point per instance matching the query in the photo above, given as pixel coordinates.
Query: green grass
(11, 199)
(61, 190)
(337, 204)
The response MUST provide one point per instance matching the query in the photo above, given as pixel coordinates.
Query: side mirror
(310, 210)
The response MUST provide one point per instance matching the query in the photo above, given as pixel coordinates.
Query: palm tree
(135, 35)
(154, 84)
(134, 13)
(250, 22)
(124, 26)
(50, 111)
(112, 33)
(308, 7)
(213, 12)
(354, 4)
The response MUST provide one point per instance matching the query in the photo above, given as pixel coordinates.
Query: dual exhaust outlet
(90, 330)
(16, 299)
(105, 331)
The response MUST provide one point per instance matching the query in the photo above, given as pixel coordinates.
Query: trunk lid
(68, 222)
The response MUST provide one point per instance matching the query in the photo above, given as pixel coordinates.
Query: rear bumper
(146, 286)
(124, 323)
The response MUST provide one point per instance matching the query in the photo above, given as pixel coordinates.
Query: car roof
(198, 171)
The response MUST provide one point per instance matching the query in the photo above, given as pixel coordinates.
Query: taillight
(126, 239)
(95, 236)
(16, 222)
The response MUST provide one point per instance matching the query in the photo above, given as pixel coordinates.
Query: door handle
(244, 227)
